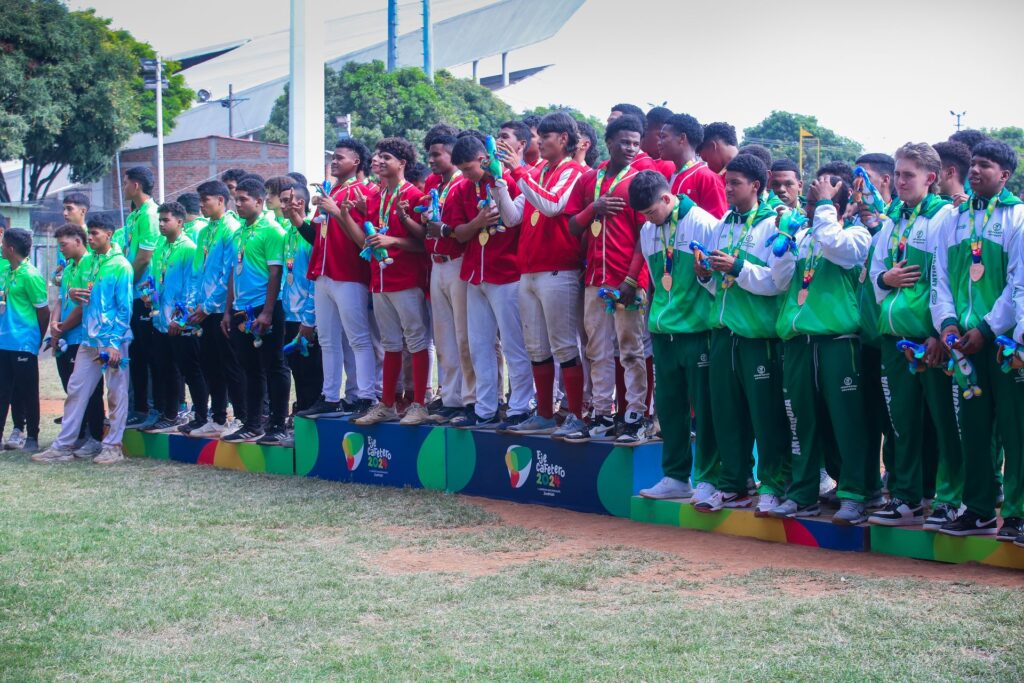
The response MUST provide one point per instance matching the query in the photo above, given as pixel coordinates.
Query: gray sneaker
(668, 488)
(571, 425)
(793, 510)
(109, 456)
(535, 425)
(15, 441)
(91, 448)
(54, 454)
(850, 513)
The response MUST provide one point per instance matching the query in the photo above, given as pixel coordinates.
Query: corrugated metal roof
(259, 68)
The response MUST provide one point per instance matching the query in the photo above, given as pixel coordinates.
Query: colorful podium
(245, 457)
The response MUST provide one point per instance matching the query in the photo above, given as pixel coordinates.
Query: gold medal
(801, 297)
(534, 218)
(727, 281)
(484, 237)
(323, 230)
(977, 271)
(666, 282)
(595, 228)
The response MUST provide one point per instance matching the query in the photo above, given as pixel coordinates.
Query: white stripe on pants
(81, 384)
(602, 329)
(451, 339)
(549, 309)
(343, 318)
(492, 309)
(401, 317)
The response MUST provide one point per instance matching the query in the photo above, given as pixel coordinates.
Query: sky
(853, 65)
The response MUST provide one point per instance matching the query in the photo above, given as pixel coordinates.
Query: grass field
(159, 571)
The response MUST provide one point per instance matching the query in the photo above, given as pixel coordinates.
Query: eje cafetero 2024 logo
(519, 462)
(354, 446)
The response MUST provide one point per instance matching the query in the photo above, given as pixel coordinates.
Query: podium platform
(244, 457)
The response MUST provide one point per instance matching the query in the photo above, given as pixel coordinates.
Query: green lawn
(158, 571)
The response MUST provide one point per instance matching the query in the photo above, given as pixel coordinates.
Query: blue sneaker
(535, 425)
(573, 426)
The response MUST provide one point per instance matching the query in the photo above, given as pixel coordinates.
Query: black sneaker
(360, 408)
(435, 405)
(634, 433)
(275, 436)
(164, 424)
(470, 420)
(323, 408)
(941, 515)
(190, 427)
(1011, 529)
(603, 426)
(135, 421)
(513, 420)
(243, 435)
(969, 524)
(897, 513)
(446, 414)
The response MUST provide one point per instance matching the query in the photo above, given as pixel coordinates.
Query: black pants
(177, 358)
(140, 351)
(92, 423)
(263, 367)
(19, 372)
(220, 367)
(308, 373)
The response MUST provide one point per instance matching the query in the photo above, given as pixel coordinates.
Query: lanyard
(448, 187)
(385, 207)
(243, 240)
(734, 245)
(901, 244)
(975, 235)
(10, 280)
(544, 172)
(168, 253)
(669, 245)
(600, 179)
(213, 229)
(97, 262)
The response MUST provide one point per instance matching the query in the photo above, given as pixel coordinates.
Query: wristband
(631, 282)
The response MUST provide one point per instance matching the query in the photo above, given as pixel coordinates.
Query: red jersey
(407, 270)
(334, 253)
(444, 246)
(492, 259)
(611, 251)
(645, 162)
(545, 243)
(703, 186)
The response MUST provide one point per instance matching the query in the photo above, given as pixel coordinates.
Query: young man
(900, 269)
(787, 185)
(587, 151)
(75, 209)
(679, 324)
(678, 140)
(644, 160)
(491, 272)
(230, 178)
(599, 206)
(746, 369)
(214, 261)
(956, 161)
(531, 155)
(718, 147)
(818, 324)
(254, 289)
(973, 299)
(516, 135)
(653, 122)
(549, 262)
(194, 219)
(447, 288)
(137, 240)
(106, 298)
(178, 350)
(341, 289)
(24, 317)
(299, 295)
(67, 333)
(399, 306)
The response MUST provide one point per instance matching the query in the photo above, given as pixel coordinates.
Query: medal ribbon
(975, 235)
(544, 171)
(669, 245)
(734, 245)
(901, 244)
(384, 212)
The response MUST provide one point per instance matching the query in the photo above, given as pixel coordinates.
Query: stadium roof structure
(258, 69)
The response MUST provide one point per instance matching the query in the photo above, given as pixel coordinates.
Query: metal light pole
(160, 127)
(392, 35)
(958, 117)
(428, 42)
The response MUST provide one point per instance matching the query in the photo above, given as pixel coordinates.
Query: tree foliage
(597, 123)
(1014, 137)
(70, 93)
(402, 102)
(780, 133)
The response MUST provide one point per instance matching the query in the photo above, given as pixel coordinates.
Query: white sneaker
(723, 499)
(210, 430)
(89, 449)
(378, 413)
(702, 492)
(416, 414)
(791, 509)
(109, 456)
(54, 454)
(15, 441)
(766, 502)
(825, 483)
(668, 488)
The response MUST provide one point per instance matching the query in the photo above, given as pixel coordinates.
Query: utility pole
(160, 126)
(306, 124)
(392, 35)
(428, 42)
(231, 104)
(958, 117)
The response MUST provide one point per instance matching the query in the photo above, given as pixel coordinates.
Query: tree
(70, 93)
(1014, 137)
(402, 102)
(597, 123)
(780, 133)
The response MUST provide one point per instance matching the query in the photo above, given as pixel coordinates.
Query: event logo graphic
(518, 460)
(549, 475)
(377, 458)
(353, 445)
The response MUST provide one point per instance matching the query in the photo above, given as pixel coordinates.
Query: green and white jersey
(174, 271)
(22, 293)
(141, 231)
(685, 307)
(905, 311)
(992, 228)
(829, 256)
(255, 248)
(747, 299)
